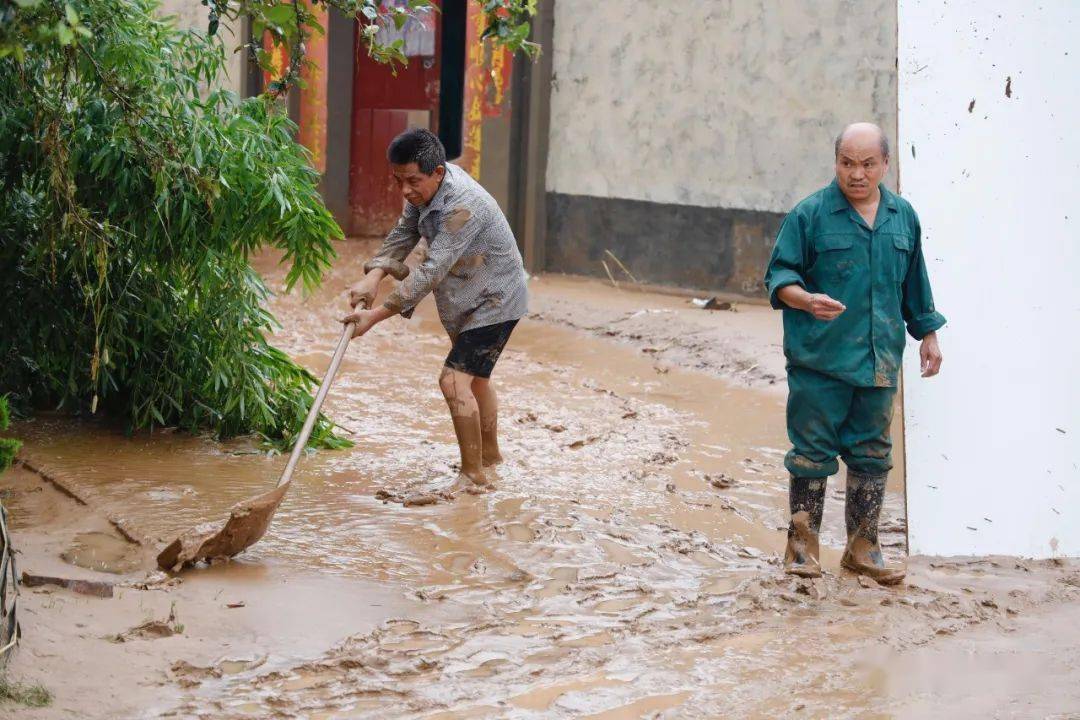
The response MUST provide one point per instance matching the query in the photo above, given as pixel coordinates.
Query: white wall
(725, 103)
(998, 192)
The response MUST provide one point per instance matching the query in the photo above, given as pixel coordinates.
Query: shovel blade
(247, 523)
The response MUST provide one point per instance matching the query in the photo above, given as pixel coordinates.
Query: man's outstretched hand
(824, 307)
(820, 305)
(930, 355)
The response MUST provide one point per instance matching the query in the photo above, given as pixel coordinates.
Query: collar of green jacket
(837, 201)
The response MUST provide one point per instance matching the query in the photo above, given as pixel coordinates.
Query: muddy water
(606, 576)
(104, 552)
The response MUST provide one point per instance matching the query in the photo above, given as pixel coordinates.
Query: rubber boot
(862, 509)
(807, 499)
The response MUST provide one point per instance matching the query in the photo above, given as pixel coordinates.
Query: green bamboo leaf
(283, 14)
(64, 34)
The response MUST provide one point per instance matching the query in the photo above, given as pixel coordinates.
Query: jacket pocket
(835, 257)
(902, 246)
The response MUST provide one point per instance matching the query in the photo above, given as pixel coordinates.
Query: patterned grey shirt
(472, 264)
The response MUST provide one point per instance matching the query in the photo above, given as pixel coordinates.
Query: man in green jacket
(848, 272)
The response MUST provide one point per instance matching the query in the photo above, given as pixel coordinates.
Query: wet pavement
(627, 565)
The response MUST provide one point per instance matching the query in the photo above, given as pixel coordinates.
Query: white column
(989, 155)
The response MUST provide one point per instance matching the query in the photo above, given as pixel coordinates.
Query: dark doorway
(452, 80)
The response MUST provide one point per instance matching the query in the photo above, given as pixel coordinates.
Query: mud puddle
(103, 552)
(626, 564)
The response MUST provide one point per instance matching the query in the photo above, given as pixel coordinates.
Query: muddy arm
(398, 244)
(393, 268)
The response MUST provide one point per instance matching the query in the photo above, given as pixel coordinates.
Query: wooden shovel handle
(313, 413)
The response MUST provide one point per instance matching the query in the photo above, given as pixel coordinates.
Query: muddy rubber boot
(862, 509)
(807, 499)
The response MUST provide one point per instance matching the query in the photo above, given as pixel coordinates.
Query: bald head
(861, 134)
(862, 159)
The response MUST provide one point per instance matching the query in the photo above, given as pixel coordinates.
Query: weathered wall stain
(487, 81)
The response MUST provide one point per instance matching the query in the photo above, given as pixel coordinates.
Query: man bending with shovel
(475, 271)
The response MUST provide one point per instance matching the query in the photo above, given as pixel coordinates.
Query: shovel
(249, 519)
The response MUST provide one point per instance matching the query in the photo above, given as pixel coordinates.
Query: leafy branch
(289, 25)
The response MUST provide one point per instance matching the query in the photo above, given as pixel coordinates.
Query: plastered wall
(724, 103)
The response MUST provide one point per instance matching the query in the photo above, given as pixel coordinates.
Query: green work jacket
(879, 273)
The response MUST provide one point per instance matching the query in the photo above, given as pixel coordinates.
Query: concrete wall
(710, 119)
(990, 158)
(193, 14)
(339, 79)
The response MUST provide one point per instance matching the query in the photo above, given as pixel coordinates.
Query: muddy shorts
(827, 418)
(476, 351)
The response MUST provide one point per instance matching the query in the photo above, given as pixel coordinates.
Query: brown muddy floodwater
(625, 566)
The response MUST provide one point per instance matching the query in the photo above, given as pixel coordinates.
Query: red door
(383, 106)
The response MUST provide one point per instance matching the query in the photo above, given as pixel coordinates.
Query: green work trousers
(827, 418)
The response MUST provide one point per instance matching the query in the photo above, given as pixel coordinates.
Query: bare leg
(489, 420)
(465, 413)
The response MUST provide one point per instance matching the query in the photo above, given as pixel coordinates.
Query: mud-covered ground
(627, 565)
(738, 341)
